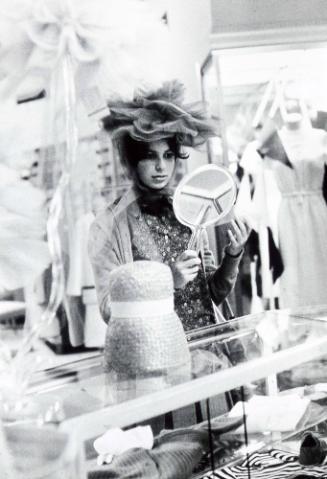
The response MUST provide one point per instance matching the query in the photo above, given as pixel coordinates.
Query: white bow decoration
(76, 44)
(118, 36)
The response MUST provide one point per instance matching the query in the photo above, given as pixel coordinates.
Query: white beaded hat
(145, 337)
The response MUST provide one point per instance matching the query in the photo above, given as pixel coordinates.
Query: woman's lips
(159, 178)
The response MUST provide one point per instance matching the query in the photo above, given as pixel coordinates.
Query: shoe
(313, 450)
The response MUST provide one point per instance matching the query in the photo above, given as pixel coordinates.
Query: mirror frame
(188, 177)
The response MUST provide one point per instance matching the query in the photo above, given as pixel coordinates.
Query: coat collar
(134, 210)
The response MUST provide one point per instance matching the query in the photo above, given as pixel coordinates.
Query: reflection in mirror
(204, 197)
(274, 106)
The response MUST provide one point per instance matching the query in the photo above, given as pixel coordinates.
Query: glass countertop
(221, 358)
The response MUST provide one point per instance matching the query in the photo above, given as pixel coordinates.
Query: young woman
(150, 133)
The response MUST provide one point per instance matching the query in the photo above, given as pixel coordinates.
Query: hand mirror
(204, 197)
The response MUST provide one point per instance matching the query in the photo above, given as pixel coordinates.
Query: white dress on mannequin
(302, 217)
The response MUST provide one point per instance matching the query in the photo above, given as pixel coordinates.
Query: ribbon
(56, 211)
(142, 309)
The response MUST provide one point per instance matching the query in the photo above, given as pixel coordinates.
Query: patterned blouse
(193, 302)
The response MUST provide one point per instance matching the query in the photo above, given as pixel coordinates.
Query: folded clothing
(116, 441)
(272, 413)
(273, 464)
(132, 464)
(174, 455)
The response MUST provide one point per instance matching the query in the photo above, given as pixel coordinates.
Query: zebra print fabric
(274, 464)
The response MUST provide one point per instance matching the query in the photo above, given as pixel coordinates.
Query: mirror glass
(205, 197)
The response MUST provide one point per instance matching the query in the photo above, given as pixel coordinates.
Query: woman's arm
(222, 280)
(102, 249)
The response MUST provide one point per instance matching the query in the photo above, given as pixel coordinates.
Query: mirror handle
(194, 241)
(192, 244)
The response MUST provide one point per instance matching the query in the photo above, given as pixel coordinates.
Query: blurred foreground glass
(39, 453)
(17, 405)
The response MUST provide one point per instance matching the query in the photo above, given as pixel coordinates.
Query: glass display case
(252, 383)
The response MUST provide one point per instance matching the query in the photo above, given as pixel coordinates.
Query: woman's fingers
(240, 230)
(232, 238)
(189, 263)
(188, 254)
(191, 270)
(241, 227)
(189, 259)
(237, 231)
(185, 268)
(244, 227)
(238, 235)
(183, 276)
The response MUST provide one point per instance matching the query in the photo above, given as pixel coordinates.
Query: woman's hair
(132, 151)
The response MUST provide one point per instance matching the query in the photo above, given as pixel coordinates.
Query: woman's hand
(208, 261)
(238, 236)
(185, 268)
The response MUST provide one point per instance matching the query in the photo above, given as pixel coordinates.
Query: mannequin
(302, 215)
(288, 198)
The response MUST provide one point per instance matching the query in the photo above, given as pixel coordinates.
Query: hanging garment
(23, 253)
(275, 260)
(302, 219)
(324, 185)
(259, 204)
(80, 271)
(89, 330)
(94, 326)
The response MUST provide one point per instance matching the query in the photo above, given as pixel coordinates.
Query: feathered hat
(160, 114)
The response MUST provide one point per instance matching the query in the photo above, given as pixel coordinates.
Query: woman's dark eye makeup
(169, 155)
(152, 155)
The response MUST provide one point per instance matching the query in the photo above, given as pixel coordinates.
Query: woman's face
(157, 168)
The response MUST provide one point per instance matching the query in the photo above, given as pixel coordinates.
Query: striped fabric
(274, 464)
(174, 456)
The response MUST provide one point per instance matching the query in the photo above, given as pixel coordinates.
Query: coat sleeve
(221, 280)
(102, 249)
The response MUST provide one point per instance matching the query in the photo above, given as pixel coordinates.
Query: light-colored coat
(110, 246)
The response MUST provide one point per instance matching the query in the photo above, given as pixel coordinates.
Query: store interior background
(246, 42)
